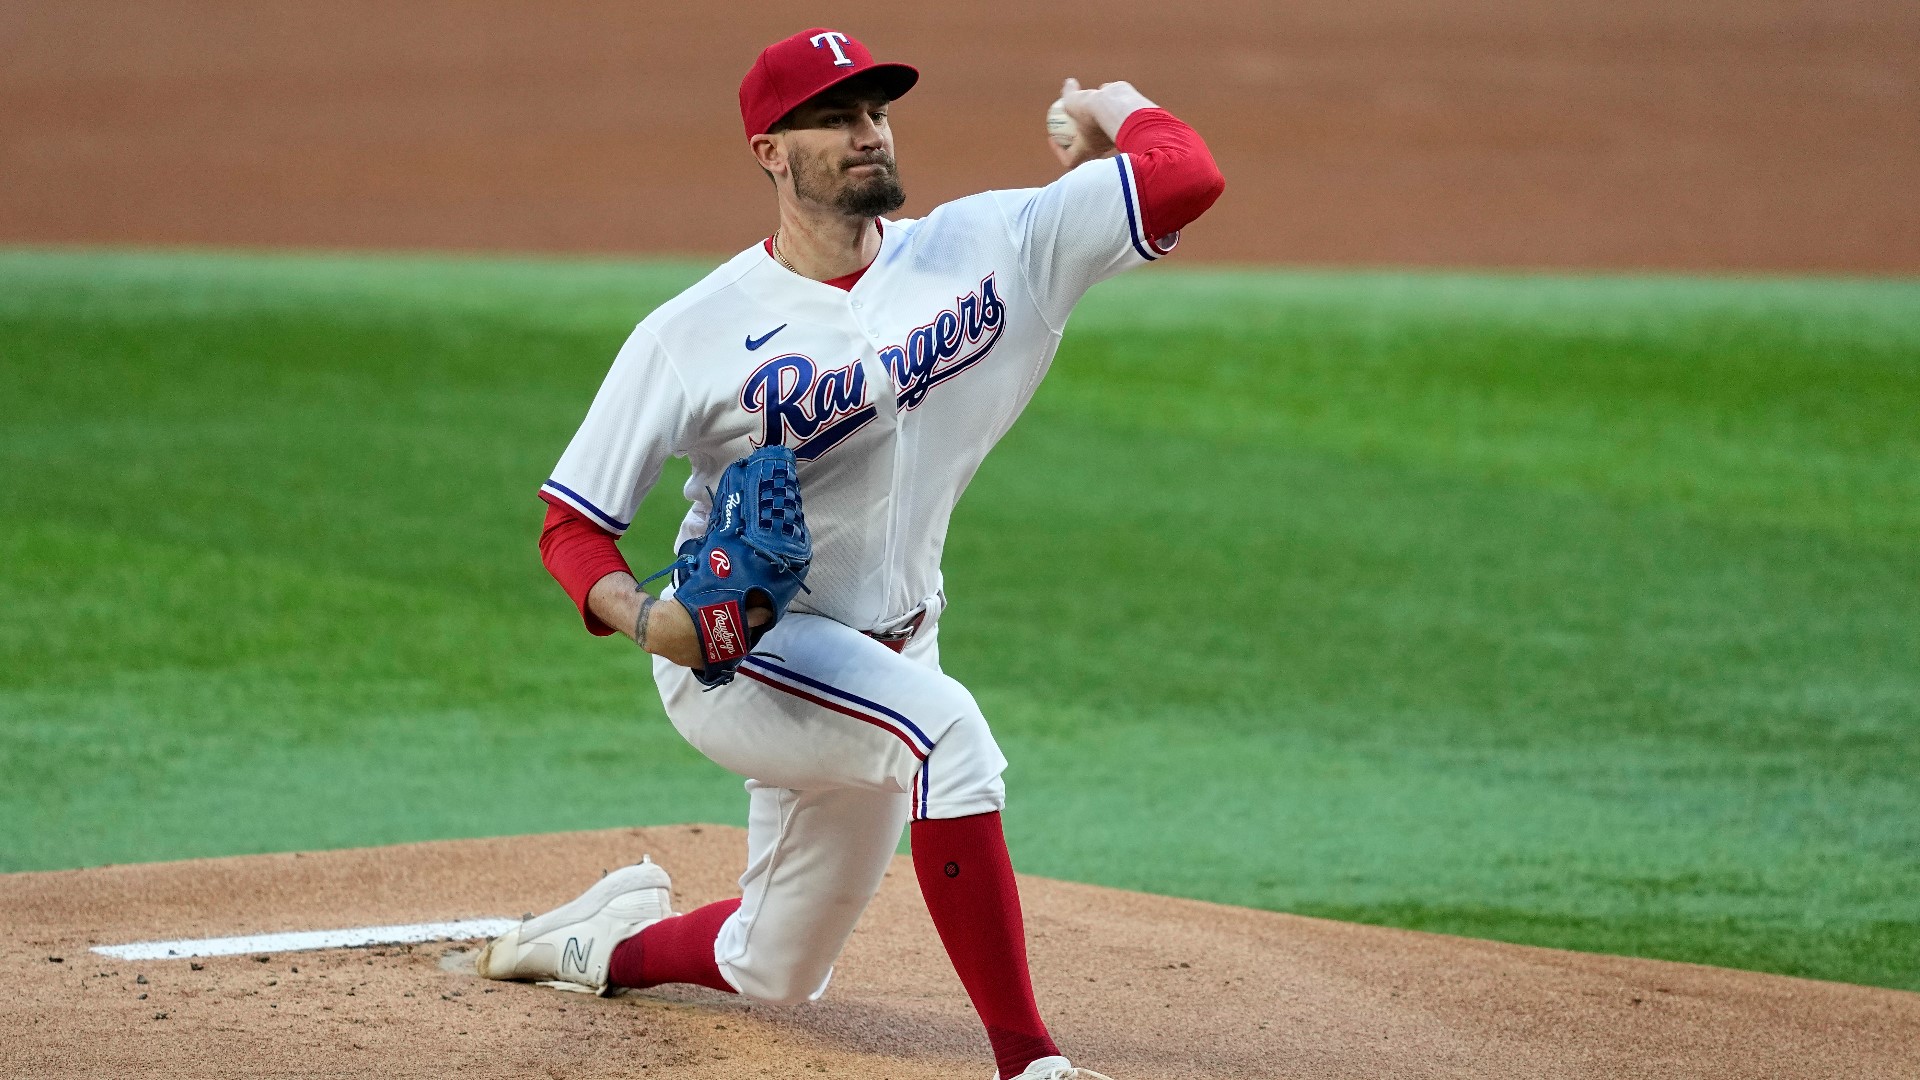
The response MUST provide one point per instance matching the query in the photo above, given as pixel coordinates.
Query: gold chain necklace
(782, 259)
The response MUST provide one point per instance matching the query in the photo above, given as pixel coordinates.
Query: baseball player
(888, 355)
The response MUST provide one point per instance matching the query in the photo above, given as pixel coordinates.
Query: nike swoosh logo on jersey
(755, 342)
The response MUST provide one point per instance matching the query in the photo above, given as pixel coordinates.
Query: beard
(827, 182)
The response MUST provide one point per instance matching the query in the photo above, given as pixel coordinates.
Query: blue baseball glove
(755, 554)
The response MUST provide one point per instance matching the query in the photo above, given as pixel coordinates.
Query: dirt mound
(1142, 987)
(1718, 134)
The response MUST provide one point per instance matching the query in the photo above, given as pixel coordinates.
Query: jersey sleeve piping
(579, 502)
(1148, 247)
(675, 445)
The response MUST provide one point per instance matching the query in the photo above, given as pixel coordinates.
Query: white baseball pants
(842, 741)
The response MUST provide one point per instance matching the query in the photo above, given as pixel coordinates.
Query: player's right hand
(1098, 115)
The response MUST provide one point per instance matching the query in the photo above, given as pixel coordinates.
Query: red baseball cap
(790, 71)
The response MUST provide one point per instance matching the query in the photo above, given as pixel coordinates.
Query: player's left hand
(735, 582)
(671, 633)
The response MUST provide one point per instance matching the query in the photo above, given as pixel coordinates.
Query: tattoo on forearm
(640, 623)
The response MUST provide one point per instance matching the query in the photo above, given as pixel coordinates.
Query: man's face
(840, 151)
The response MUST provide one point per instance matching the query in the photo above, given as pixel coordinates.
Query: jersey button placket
(887, 400)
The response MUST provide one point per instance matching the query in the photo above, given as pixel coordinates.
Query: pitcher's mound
(1142, 987)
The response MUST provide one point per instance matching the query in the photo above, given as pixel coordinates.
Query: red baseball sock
(966, 877)
(675, 950)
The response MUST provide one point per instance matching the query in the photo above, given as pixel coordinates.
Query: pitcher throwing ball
(888, 356)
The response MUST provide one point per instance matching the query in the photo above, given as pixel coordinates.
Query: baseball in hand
(1060, 126)
(1075, 140)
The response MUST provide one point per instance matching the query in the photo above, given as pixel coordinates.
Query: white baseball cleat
(1056, 1068)
(571, 947)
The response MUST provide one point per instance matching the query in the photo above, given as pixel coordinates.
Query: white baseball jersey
(890, 394)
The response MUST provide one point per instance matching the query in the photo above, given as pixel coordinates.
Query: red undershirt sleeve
(1171, 164)
(578, 554)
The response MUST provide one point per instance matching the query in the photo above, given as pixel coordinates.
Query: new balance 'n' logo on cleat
(572, 945)
(573, 958)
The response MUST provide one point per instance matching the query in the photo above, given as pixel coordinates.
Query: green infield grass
(1571, 611)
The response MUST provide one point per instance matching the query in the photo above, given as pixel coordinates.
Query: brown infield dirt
(1709, 134)
(1142, 987)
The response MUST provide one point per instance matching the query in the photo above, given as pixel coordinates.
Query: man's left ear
(768, 151)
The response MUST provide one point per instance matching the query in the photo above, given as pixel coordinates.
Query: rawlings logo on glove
(755, 554)
(719, 636)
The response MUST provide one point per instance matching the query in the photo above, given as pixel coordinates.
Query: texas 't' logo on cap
(815, 60)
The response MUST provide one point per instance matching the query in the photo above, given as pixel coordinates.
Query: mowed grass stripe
(1575, 612)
